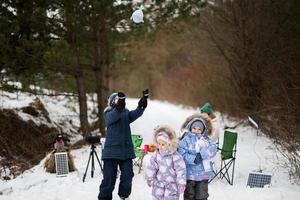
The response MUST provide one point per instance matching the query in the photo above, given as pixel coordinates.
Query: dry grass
(23, 144)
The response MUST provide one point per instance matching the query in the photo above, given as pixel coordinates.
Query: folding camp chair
(137, 142)
(228, 156)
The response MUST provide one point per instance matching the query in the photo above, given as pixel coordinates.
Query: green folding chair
(228, 156)
(137, 141)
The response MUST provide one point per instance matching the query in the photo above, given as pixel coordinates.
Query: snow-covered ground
(36, 184)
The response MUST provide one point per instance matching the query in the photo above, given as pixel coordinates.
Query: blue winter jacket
(187, 148)
(118, 143)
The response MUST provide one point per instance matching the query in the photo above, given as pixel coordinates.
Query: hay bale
(71, 162)
(49, 164)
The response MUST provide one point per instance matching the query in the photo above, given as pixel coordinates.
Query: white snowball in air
(137, 16)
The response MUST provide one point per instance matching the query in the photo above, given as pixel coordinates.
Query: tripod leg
(99, 162)
(93, 165)
(87, 166)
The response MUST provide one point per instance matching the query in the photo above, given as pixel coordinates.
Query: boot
(123, 198)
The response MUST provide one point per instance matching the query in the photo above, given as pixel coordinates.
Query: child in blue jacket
(197, 149)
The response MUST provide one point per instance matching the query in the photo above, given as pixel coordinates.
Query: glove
(198, 159)
(149, 183)
(143, 103)
(146, 93)
(181, 189)
(203, 144)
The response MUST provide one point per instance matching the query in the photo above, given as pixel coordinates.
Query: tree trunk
(84, 124)
(73, 38)
(100, 101)
(251, 90)
(100, 60)
(104, 64)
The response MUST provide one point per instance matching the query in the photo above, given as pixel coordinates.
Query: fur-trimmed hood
(171, 134)
(204, 116)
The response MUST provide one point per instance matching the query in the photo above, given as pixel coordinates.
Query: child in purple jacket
(166, 172)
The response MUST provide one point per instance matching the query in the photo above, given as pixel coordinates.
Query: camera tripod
(92, 153)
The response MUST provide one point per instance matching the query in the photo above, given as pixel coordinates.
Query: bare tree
(259, 39)
(242, 37)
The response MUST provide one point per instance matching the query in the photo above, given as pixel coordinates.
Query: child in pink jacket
(166, 172)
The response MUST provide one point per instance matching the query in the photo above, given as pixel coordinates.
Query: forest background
(242, 56)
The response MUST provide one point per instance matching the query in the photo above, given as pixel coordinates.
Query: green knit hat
(206, 108)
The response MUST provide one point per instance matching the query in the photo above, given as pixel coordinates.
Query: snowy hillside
(36, 184)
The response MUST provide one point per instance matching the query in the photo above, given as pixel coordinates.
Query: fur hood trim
(171, 134)
(203, 116)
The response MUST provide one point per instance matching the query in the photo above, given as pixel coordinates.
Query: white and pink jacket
(166, 172)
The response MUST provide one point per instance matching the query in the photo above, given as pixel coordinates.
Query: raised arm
(142, 105)
(134, 114)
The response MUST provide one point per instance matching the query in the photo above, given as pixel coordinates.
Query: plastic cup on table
(146, 148)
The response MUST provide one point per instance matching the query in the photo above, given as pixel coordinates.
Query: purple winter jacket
(166, 169)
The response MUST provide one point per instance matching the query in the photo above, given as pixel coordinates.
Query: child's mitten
(198, 159)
